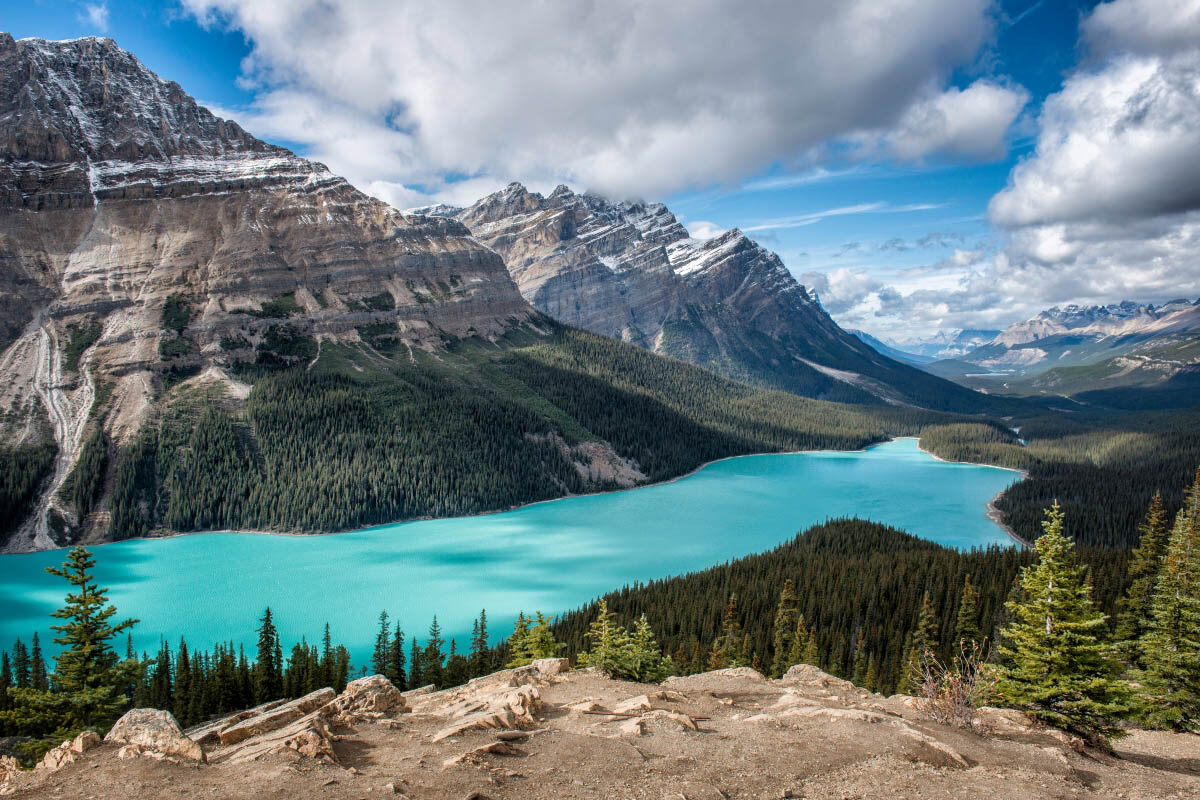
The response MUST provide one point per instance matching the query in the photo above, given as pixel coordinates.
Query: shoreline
(992, 513)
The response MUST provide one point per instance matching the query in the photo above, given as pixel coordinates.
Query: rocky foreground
(545, 732)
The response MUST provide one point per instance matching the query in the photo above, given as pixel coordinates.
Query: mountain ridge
(630, 270)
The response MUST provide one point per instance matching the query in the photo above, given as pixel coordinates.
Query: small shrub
(953, 693)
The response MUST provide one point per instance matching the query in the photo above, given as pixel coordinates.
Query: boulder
(154, 731)
(551, 666)
(276, 718)
(373, 696)
(9, 767)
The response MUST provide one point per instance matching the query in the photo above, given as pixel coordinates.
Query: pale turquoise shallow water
(550, 556)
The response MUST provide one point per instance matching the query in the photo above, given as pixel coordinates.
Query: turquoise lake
(550, 556)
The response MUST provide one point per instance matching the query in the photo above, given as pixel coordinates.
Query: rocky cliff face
(630, 270)
(140, 236)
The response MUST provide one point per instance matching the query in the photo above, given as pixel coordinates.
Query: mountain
(889, 351)
(122, 199)
(629, 270)
(1079, 335)
(202, 331)
(948, 344)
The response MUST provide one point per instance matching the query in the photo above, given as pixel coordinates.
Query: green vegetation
(25, 471)
(379, 302)
(176, 314)
(624, 655)
(1103, 467)
(283, 306)
(80, 338)
(85, 483)
(1057, 664)
(358, 440)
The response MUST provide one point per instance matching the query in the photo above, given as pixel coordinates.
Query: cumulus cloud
(1147, 27)
(970, 123)
(1115, 144)
(626, 97)
(1108, 205)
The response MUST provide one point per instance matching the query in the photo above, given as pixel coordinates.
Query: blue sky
(923, 164)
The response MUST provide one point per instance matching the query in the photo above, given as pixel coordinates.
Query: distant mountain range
(1096, 353)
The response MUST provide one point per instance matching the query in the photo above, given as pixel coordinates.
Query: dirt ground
(810, 736)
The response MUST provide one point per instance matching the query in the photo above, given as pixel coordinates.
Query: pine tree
(924, 640)
(609, 643)
(479, 659)
(87, 671)
(268, 669)
(871, 683)
(729, 647)
(183, 682)
(862, 660)
(1171, 646)
(379, 656)
(798, 644)
(432, 658)
(520, 651)
(1056, 665)
(812, 650)
(646, 661)
(395, 664)
(456, 666)
(1135, 608)
(785, 630)
(20, 665)
(6, 681)
(38, 677)
(541, 639)
(416, 670)
(966, 625)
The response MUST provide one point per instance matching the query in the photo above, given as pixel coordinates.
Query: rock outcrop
(579, 734)
(153, 732)
(118, 191)
(631, 271)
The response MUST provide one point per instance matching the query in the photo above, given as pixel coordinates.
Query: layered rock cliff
(142, 237)
(630, 271)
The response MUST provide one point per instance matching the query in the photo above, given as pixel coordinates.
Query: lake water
(550, 556)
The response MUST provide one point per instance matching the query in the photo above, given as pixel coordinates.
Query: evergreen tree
(520, 649)
(1171, 646)
(729, 648)
(1135, 608)
(924, 640)
(88, 673)
(966, 625)
(416, 670)
(432, 658)
(159, 688)
(183, 682)
(268, 669)
(871, 683)
(812, 650)
(6, 681)
(799, 642)
(786, 630)
(609, 641)
(379, 657)
(395, 664)
(20, 665)
(456, 666)
(862, 660)
(480, 660)
(328, 675)
(646, 660)
(38, 677)
(1056, 665)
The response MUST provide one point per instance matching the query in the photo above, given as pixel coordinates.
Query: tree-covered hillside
(354, 438)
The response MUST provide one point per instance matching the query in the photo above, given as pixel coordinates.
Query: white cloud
(626, 97)
(1120, 143)
(1147, 27)
(95, 15)
(703, 229)
(968, 123)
